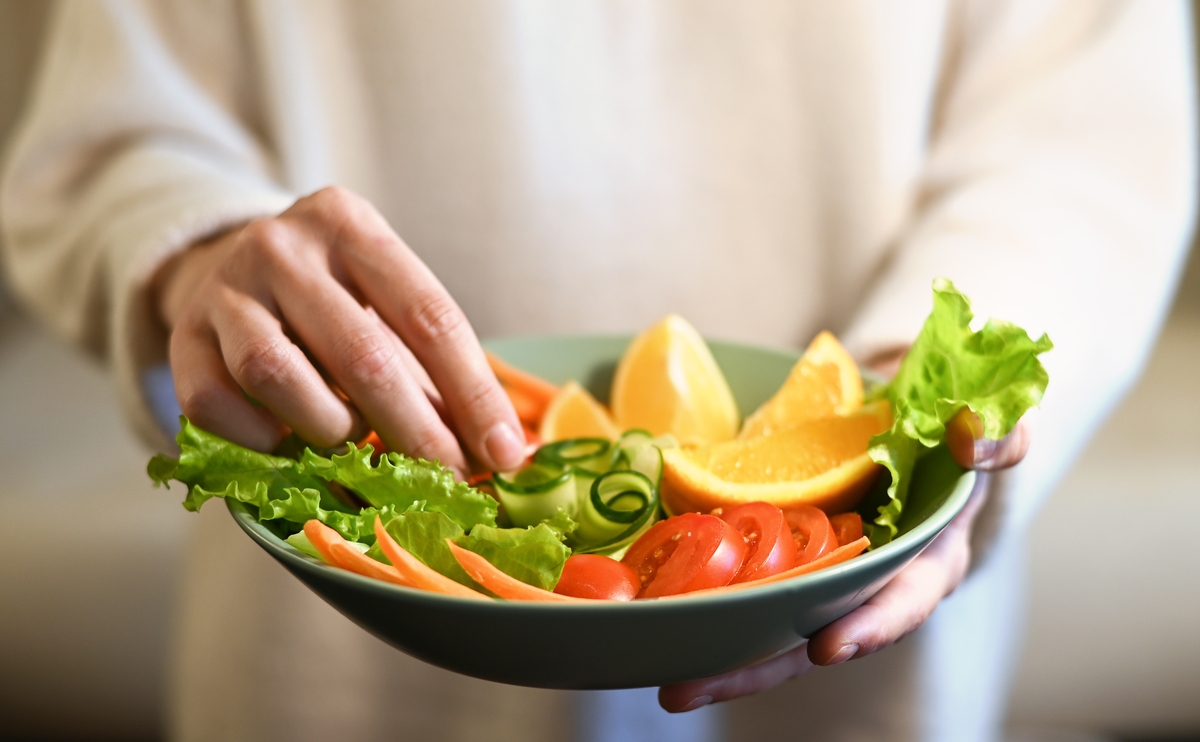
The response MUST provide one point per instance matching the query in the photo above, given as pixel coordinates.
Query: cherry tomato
(770, 548)
(813, 534)
(847, 527)
(685, 553)
(598, 578)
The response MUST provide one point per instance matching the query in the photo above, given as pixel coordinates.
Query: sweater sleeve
(1058, 194)
(121, 159)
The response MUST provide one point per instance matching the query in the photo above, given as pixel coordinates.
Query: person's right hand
(328, 291)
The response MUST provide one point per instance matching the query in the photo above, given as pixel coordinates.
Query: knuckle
(267, 239)
(435, 318)
(336, 198)
(368, 360)
(264, 364)
(335, 206)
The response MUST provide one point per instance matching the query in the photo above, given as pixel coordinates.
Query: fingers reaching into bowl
(324, 321)
(897, 610)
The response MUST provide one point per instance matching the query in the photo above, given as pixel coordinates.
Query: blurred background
(90, 553)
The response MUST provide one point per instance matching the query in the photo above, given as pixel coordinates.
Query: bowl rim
(913, 540)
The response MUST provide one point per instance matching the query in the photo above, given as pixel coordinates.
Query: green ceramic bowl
(625, 645)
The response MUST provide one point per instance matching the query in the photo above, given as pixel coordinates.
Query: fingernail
(504, 446)
(846, 652)
(985, 449)
(696, 703)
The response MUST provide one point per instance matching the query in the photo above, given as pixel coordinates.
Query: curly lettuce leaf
(995, 372)
(399, 482)
(533, 555)
(209, 465)
(277, 487)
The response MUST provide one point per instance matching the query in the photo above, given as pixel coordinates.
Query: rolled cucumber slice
(536, 493)
(621, 505)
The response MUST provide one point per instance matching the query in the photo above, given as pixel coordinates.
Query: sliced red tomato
(770, 548)
(812, 532)
(847, 527)
(598, 578)
(685, 553)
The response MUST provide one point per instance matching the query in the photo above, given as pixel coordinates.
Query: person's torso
(591, 167)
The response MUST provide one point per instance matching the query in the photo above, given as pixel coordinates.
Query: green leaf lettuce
(535, 555)
(400, 482)
(995, 372)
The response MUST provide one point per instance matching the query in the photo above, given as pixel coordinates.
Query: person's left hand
(895, 611)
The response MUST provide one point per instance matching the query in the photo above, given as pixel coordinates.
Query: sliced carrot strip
(375, 442)
(837, 556)
(416, 572)
(510, 376)
(330, 545)
(476, 479)
(530, 410)
(502, 584)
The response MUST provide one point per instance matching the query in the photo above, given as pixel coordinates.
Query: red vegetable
(813, 534)
(597, 578)
(770, 548)
(685, 553)
(837, 556)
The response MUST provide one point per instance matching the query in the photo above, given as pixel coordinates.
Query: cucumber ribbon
(610, 489)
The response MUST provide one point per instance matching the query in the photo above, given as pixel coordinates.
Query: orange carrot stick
(416, 572)
(837, 556)
(530, 409)
(330, 545)
(510, 376)
(502, 584)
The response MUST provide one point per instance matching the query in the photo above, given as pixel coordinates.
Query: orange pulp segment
(824, 382)
(668, 382)
(575, 413)
(823, 463)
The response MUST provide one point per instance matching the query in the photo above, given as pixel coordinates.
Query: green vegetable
(210, 465)
(283, 489)
(622, 504)
(995, 372)
(424, 534)
(399, 481)
(533, 555)
(536, 493)
(277, 487)
(611, 490)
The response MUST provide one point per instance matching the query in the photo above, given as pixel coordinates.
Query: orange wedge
(574, 413)
(823, 463)
(824, 382)
(668, 382)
